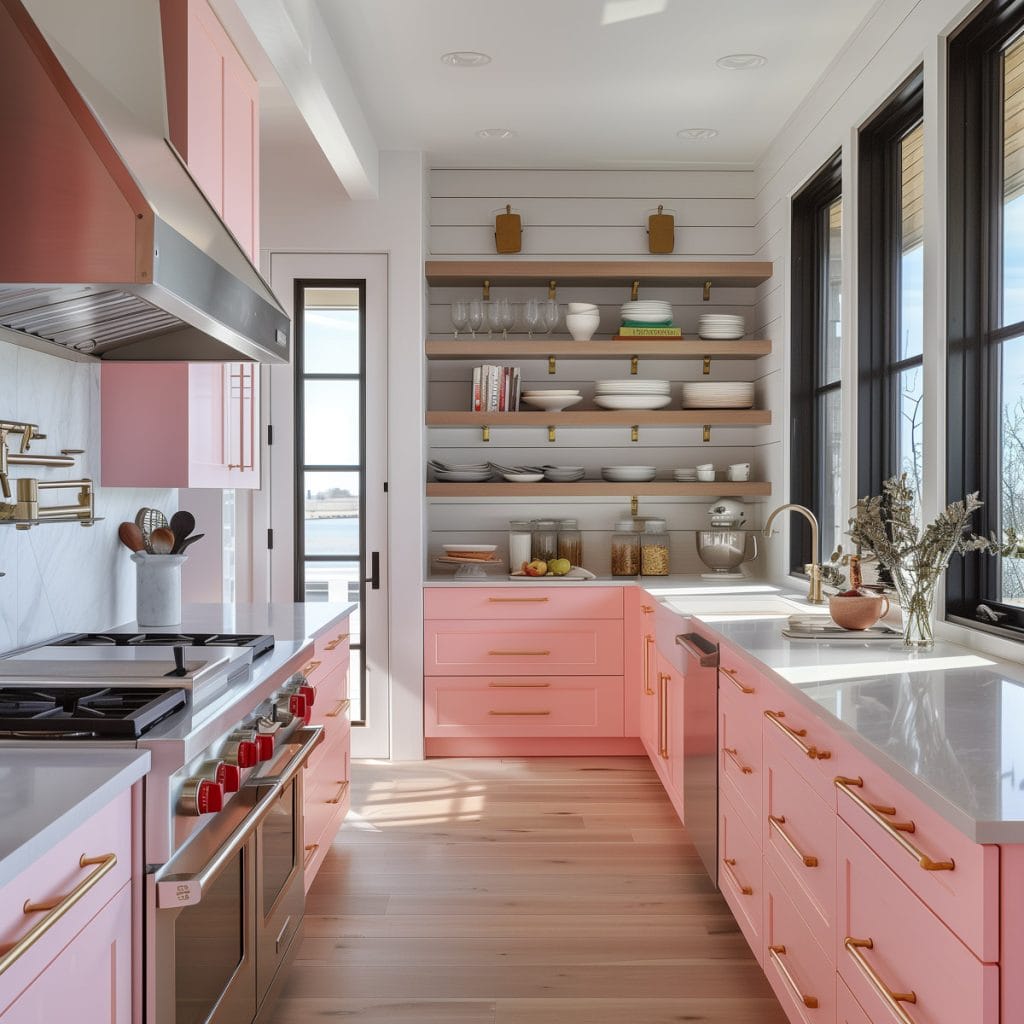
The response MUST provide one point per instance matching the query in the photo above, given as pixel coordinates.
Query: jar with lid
(654, 550)
(520, 540)
(545, 540)
(625, 549)
(570, 541)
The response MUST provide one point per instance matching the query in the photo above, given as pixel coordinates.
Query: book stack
(495, 389)
(648, 319)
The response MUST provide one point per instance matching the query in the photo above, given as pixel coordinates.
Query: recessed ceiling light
(697, 134)
(496, 133)
(465, 59)
(742, 61)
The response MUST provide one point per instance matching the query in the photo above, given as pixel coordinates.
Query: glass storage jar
(654, 550)
(520, 543)
(545, 540)
(625, 549)
(570, 541)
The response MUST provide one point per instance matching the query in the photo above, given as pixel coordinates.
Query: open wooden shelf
(652, 273)
(604, 418)
(604, 489)
(566, 348)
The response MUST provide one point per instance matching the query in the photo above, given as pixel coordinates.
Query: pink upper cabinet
(213, 114)
(180, 425)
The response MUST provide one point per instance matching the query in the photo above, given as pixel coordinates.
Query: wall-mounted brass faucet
(28, 508)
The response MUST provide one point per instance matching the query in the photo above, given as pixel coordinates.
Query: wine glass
(531, 315)
(460, 317)
(493, 318)
(549, 315)
(476, 316)
(507, 317)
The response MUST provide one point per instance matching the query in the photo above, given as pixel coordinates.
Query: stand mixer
(723, 548)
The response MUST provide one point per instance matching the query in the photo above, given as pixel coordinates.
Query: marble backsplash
(63, 577)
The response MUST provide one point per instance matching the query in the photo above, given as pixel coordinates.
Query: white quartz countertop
(46, 793)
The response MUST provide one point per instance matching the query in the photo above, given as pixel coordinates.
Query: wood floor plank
(640, 1011)
(385, 1011)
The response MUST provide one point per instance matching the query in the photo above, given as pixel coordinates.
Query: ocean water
(332, 536)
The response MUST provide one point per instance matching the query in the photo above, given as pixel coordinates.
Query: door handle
(374, 578)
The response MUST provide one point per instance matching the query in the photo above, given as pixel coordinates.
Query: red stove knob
(201, 796)
(240, 752)
(264, 746)
(308, 691)
(229, 776)
(298, 705)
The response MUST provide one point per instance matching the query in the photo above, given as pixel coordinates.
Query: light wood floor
(518, 891)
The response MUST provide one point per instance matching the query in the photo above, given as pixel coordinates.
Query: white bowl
(552, 403)
(582, 325)
(581, 307)
(523, 478)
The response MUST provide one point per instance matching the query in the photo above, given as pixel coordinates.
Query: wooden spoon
(182, 524)
(161, 540)
(131, 537)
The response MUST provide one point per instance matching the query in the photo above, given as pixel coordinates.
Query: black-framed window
(985, 378)
(890, 292)
(817, 345)
(330, 455)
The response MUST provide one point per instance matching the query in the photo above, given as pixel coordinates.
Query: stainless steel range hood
(109, 248)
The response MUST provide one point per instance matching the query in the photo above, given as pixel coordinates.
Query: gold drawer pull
(795, 735)
(776, 953)
(730, 674)
(310, 853)
(311, 667)
(663, 678)
(342, 705)
(777, 823)
(895, 828)
(730, 864)
(519, 686)
(893, 999)
(733, 755)
(519, 654)
(514, 714)
(648, 643)
(340, 795)
(517, 600)
(646, 609)
(56, 908)
(336, 642)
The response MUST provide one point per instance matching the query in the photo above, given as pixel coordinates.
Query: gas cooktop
(258, 644)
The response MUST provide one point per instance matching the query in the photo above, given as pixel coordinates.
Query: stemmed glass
(493, 318)
(549, 315)
(460, 317)
(531, 315)
(507, 317)
(476, 316)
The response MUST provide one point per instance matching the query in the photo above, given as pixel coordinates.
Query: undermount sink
(748, 605)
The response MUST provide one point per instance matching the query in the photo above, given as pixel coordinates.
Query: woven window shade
(1013, 121)
(912, 189)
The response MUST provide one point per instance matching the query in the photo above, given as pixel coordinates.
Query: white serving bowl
(581, 307)
(582, 325)
(552, 403)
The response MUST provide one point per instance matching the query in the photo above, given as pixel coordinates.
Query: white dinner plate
(632, 401)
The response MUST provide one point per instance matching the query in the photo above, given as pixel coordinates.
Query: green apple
(559, 566)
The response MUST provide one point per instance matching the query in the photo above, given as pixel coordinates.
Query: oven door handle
(187, 890)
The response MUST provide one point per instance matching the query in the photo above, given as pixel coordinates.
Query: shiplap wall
(598, 215)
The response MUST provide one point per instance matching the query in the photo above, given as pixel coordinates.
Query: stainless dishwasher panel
(699, 664)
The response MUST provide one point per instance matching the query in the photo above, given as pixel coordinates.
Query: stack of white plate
(447, 473)
(628, 474)
(563, 474)
(726, 394)
(684, 476)
(551, 400)
(632, 394)
(721, 327)
(647, 311)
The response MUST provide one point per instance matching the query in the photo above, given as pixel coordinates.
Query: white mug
(705, 474)
(739, 471)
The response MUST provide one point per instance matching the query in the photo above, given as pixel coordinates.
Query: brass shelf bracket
(707, 433)
(707, 365)
(634, 365)
(485, 433)
(551, 434)
(487, 289)
(634, 506)
(707, 291)
(634, 432)
(552, 365)
(635, 292)
(552, 289)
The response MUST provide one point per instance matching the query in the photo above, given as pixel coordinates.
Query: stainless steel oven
(224, 912)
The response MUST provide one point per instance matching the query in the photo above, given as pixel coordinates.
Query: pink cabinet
(180, 425)
(740, 871)
(213, 114)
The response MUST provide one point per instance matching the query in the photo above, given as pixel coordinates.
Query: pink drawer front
(332, 700)
(799, 835)
(740, 872)
(513, 706)
(739, 740)
(522, 601)
(568, 646)
(797, 968)
(888, 942)
(808, 743)
(848, 1010)
(738, 673)
(957, 878)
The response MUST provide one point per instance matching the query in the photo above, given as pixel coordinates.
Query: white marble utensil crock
(158, 588)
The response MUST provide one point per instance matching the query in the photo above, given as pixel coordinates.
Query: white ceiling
(579, 92)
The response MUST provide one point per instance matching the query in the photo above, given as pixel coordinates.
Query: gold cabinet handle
(663, 678)
(516, 714)
(336, 642)
(733, 755)
(56, 908)
(646, 609)
(519, 686)
(310, 853)
(311, 667)
(730, 674)
(517, 600)
(776, 823)
(775, 954)
(648, 643)
(896, 829)
(519, 654)
(342, 705)
(894, 1000)
(795, 735)
(340, 795)
(729, 863)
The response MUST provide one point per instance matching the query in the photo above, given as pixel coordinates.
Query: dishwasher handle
(700, 648)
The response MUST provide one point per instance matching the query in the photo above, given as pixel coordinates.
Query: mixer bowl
(725, 551)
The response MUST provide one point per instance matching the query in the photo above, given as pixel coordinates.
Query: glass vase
(917, 599)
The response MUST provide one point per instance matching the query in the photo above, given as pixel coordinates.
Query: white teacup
(739, 471)
(707, 475)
